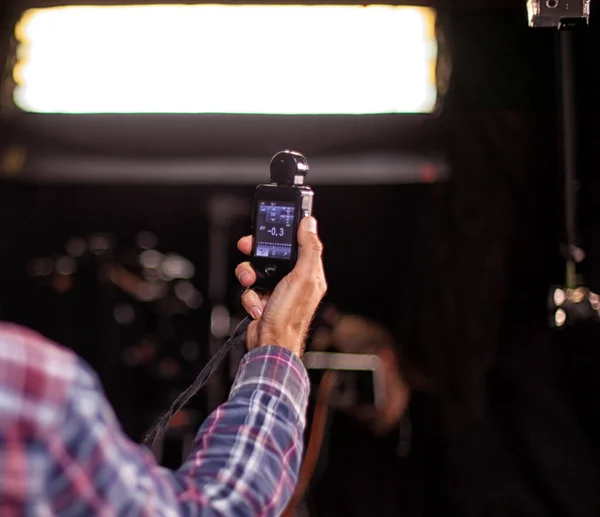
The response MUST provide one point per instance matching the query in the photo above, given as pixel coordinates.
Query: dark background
(459, 270)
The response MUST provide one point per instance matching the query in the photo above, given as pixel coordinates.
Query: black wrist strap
(213, 364)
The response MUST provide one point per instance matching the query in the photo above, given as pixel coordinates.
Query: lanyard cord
(213, 364)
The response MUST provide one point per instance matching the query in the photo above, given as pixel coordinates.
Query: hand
(283, 317)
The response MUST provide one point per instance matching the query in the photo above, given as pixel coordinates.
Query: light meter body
(278, 208)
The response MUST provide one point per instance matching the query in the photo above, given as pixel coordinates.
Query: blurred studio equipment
(149, 301)
(570, 306)
(223, 212)
(354, 367)
(363, 354)
(559, 14)
(572, 303)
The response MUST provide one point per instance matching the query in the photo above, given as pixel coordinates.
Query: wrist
(291, 343)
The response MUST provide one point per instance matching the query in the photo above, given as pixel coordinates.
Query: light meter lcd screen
(274, 229)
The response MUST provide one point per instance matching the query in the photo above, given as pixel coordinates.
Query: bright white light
(560, 317)
(226, 59)
(559, 297)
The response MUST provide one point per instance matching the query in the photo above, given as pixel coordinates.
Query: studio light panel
(242, 59)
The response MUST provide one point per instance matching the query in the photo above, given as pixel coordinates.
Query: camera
(561, 14)
(278, 208)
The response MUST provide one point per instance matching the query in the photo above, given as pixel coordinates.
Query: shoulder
(36, 377)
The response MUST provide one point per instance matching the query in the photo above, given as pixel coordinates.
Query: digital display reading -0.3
(274, 229)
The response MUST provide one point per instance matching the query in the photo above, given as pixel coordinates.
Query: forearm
(247, 454)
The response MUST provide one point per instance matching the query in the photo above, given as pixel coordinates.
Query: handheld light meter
(279, 207)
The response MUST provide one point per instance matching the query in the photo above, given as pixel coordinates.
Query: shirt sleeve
(244, 461)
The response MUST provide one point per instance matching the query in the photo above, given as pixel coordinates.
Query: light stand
(569, 149)
(573, 302)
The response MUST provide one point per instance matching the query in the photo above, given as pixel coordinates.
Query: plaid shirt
(62, 451)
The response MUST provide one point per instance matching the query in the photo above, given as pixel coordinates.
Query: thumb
(310, 247)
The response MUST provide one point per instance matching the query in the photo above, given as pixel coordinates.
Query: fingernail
(243, 277)
(311, 225)
(256, 312)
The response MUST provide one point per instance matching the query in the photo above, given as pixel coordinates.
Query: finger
(245, 245)
(310, 247)
(245, 274)
(252, 303)
(264, 299)
(252, 335)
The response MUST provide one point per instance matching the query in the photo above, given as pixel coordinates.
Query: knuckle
(242, 268)
(317, 245)
(247, 296)
(315, 284)
(321, 286)
(314, 244)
